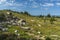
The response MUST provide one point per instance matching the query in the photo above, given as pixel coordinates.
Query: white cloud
(46, 8)
(13, 4)
(2, 1)
(10, 3)
(34, 5)
(54, 0)
(47, 4)
(31, 0)
(58, 4)
(6, 2)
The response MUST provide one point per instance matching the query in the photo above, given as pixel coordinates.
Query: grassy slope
(45, 28)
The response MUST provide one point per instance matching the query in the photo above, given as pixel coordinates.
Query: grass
(45, 29)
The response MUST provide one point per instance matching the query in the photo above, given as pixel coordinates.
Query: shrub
(48, 38)
(51, 20)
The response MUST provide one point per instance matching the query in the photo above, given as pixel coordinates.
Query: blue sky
(34, 7)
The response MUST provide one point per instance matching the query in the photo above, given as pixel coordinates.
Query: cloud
(46, 8)
(50, 0)
(14, 4)
(2, 1)
(34, 5)
(6, 2)
(54, 0)
(47, 4)
(10, 3)
(58, 4)
(31, 0)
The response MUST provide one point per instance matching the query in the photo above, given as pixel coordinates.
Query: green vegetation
(41, 27)
(48, 38)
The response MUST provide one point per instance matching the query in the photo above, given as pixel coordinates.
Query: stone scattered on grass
(9, 25)
(54, 35)
(16, 31)
(26, 28)
(4, 29)
(39, 25)
(8, 13)
(18, 34)
(38, 32)
(32, 20)
(43, 37)
(22, 22)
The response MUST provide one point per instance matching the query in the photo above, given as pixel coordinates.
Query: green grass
(46, 28)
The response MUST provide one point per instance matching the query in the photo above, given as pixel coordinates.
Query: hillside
(35, 27)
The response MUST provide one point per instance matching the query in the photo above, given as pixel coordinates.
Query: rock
(39, 25)
(9, 25)
(8, 13)
(26, 28)
(22, 22)
(32, 20)
(54, 35)
(5, 29)
(43, 37)
(38, 32)
(16, 31)
(18, 34)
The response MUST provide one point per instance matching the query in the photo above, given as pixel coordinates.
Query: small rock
(54, 35)
(18, 34)
(16, 31)
(8, 13)
(26, 28)
(4, 29)
(39, 25)
(38, 32)
(32, 20)
(43, 37)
